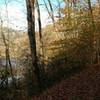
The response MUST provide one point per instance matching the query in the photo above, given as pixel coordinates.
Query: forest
(50, 49)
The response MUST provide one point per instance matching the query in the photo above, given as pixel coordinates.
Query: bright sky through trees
(17, 13)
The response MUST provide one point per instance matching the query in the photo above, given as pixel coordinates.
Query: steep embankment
(81, 86)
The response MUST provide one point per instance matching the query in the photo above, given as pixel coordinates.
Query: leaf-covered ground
(81, 86)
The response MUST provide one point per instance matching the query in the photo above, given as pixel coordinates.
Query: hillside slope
(81, 86)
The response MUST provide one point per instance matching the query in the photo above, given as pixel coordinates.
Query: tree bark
(32, 39)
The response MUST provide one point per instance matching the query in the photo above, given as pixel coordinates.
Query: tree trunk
(41, 65)
(32, 39)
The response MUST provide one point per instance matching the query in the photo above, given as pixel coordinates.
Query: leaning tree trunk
(50, 13)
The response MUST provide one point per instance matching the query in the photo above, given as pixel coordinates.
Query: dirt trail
(81, 86)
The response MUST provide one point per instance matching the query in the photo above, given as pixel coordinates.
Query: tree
(51, 14)
(8, 60)
(32, 39)
(99, 5)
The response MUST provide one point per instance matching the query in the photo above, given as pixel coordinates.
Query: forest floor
(84, 85)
